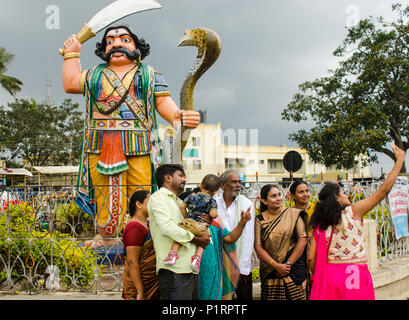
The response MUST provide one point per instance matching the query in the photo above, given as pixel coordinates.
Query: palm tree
(10, 84)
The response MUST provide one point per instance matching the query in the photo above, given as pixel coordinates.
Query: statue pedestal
(110, 251)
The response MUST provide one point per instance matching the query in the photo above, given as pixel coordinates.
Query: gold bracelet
(71, 55)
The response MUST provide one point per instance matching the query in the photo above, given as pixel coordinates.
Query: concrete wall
(391, 280)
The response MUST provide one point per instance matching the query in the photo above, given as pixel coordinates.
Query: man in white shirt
(230, 205)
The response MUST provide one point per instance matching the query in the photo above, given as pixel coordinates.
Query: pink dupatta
(320, 272)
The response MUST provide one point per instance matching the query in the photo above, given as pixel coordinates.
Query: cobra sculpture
(209, 46)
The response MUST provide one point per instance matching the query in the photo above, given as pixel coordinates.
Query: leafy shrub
(255, 274)
(28, 252)
(70, 218)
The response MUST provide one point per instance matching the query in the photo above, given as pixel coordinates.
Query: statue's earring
(138, 56)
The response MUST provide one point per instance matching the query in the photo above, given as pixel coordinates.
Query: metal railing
(388, 247)
(48, 243)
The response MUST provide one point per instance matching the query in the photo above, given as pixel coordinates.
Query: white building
(212, 150)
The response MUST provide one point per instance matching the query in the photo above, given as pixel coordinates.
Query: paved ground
(61, 296)
(84, 296)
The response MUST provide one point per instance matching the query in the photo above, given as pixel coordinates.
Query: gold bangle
(71, 55)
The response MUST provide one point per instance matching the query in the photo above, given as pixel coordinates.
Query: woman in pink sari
(337, 255)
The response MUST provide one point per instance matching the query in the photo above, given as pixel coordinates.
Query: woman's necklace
(270, 217)
(304, 207)
(142, 221)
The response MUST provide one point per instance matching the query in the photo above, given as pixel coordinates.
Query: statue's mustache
(133, 55)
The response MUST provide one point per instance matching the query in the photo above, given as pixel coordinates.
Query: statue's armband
(82, 80)
(161, 86)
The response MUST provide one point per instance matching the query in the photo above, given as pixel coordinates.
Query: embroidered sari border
(340, 261)
(267, 231)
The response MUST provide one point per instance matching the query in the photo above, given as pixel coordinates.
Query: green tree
(40, 133)
(363, 104)
(11, 84)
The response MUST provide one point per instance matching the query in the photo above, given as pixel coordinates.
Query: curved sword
(111, 13)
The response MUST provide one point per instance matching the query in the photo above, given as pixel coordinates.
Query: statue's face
(119, 39)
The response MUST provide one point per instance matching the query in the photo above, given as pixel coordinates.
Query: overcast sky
(269, 47)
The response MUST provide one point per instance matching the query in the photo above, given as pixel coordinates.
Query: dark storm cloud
(269, 48)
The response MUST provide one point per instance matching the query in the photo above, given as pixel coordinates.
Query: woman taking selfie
(337, 254)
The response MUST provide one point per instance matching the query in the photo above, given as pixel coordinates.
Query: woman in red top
(139, 277)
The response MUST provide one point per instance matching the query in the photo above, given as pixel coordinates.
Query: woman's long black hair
(328, 210)
(295, 184)
(137, 196)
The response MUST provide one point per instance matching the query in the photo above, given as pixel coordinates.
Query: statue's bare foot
(99, 241)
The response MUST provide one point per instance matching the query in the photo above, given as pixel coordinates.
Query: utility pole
(70, 152)
(48, 92)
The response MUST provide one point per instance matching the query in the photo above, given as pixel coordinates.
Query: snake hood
(208, 44)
